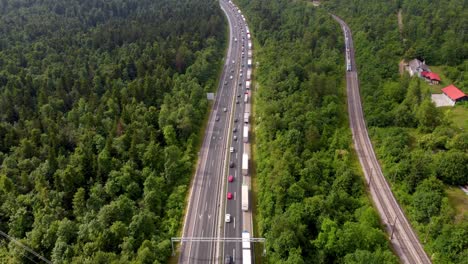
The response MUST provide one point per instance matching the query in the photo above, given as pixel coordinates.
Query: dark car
(231, 164)
(228, 260)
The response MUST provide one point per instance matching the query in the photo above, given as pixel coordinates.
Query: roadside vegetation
(101, 103)
(312, 205)
(423, 149)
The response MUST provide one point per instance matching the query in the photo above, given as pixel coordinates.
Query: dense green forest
(422, 151)
(101, 103)
(312, 204)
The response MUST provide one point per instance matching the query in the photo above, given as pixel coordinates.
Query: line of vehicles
(245, 84)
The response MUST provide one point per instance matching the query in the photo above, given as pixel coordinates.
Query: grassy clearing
(459, 116)
(458, 200)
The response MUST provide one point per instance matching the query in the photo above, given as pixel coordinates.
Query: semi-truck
(246, 134)
(249, 54)
(245, 164)
(247, 108)
(249, 72)
(246, 251)
(245, 197)
(245, 239)
(246, 118)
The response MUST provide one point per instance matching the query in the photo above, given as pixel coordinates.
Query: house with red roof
(454, 94)
(431, 77)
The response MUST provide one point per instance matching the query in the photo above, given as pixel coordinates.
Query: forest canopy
(101, 103)
(312, 206)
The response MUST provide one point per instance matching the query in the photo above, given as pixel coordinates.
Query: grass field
(459, 200)
(459, 116)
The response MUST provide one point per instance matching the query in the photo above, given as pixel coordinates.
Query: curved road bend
(403, 238)
(206, 199)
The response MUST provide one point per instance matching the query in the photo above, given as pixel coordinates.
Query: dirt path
(401, 67)
(400, 21)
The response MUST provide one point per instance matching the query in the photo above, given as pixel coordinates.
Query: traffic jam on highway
(240, 138)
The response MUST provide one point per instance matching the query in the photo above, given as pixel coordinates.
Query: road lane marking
(235, 193)
(234, 222)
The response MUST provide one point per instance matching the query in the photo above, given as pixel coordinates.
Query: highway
(207, 203)
(403, 238)
(233, 207)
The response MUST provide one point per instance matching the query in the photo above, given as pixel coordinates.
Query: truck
(245, 164)
(249, 54)
(245, 197)
(249, 72)
(249, 63)
(246, 134)
(250, 44)
(246, 98)
(246, 256)
(246, 117)
(247, 108)
(245, 239)
(247, 85)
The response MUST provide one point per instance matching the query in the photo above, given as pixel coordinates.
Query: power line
(30, 250)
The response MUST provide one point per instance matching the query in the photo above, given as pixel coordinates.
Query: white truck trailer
(245, 197)
(245, 164)
(246, 134)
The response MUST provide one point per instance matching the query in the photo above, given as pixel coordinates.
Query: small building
(416, 67)
(431, 77)
(454, 94)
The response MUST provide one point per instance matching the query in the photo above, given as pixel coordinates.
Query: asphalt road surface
(403, 238)
(233, 207)
(207, 200)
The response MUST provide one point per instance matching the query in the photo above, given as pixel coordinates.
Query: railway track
(402, 236)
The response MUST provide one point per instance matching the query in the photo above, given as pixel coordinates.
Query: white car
(230, 77)
(231, 149)
(227, 218)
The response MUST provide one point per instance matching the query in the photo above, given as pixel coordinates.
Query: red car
(230, 178)
(229, 196)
